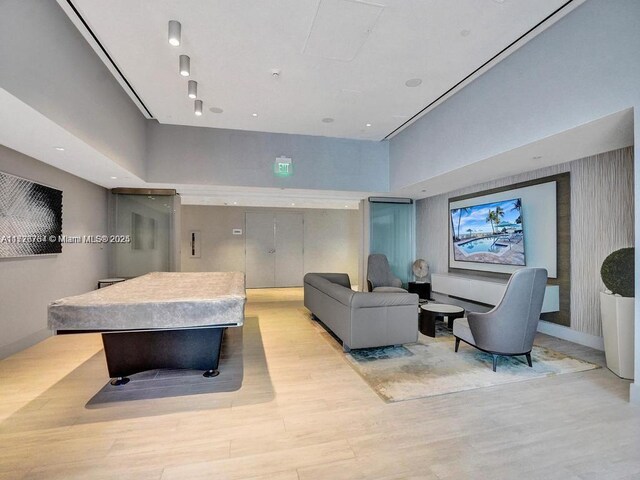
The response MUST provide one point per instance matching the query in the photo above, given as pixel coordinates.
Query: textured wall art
(30, 218)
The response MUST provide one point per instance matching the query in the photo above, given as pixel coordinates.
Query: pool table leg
(116, 382)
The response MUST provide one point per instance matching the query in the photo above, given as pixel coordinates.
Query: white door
(260, 250)
(289, 249)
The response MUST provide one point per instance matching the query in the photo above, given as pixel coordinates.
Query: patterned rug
(431, 367)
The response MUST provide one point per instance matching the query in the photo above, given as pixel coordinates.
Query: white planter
(618, 331)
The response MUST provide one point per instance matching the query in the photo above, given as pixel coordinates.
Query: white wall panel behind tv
(539, 225)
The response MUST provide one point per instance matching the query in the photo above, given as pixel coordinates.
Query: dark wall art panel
(30, 218)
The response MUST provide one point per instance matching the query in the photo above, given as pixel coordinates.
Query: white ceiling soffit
(26, 130)
(602, 135)
(343, 63)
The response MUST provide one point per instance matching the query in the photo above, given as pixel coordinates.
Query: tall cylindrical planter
(618, 331)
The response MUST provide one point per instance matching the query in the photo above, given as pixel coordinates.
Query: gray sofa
(361, 319)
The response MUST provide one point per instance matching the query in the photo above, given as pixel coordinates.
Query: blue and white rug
(431, 367)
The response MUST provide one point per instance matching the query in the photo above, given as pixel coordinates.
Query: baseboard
(23, 343)
(571, 335)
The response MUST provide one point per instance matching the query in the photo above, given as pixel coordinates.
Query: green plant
(617, 272)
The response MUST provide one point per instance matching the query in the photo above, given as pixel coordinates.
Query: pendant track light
(175, 33)
(192, 89)
(197, 106)
(185, 65)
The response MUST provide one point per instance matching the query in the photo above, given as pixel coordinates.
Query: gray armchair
(380, 278)
(510, 327)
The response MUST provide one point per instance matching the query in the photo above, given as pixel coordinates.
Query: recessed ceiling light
(293, 204)
(327, 120)
(465, 33)
(346, 206)
(368, 125)
(114, 178)
(175, 32)
(413, 82)
(254, 114)
(192, 89)
(235, 203)
(60, 149)
(185, 65)
(216, 110)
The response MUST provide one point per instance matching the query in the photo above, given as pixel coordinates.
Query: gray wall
(331, 239)
(47, 64)
(234, 157)
(29, 284)
(582, 68)
(601, 222)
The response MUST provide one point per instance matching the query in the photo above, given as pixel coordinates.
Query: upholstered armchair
(380, 278)
(508, 329)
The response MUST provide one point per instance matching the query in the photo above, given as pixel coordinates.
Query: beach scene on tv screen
(489, 233)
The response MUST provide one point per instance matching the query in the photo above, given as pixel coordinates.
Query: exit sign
(283, 167)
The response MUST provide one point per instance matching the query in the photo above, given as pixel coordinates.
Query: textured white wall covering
(601, 221)
(331, 239)
(28, 285)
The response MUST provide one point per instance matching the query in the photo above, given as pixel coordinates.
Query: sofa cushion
(334, 290)
(384, 299)
(390, 290)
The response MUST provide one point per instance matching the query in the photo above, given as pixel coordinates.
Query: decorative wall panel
(30, 218)
(601, 222)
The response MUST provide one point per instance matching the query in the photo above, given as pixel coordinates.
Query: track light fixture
(192, 89)
(185, 65)
(197, 106)
(175, 33)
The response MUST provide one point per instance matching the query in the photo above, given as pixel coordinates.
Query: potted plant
(617, 311)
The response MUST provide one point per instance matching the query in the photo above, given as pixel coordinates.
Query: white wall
(47, 64)
(233, 157)
(580, 69)
(29, 284)
(331, 239)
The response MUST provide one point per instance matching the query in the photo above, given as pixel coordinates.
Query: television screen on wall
(489, 233)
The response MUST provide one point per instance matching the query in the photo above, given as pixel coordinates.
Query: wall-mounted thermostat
(237, 231)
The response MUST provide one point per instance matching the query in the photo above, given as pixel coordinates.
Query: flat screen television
(489, 233)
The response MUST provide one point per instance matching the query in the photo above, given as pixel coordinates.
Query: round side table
(429, 312)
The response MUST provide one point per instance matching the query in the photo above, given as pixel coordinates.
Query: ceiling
(345, 60)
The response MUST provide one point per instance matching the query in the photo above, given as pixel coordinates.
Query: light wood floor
(302, 413)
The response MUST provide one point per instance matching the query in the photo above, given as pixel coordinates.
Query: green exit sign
(283, 167)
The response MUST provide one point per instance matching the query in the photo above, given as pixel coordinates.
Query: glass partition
(392, 226)
(147, 221)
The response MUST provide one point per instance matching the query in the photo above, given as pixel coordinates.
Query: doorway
(274, 249)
